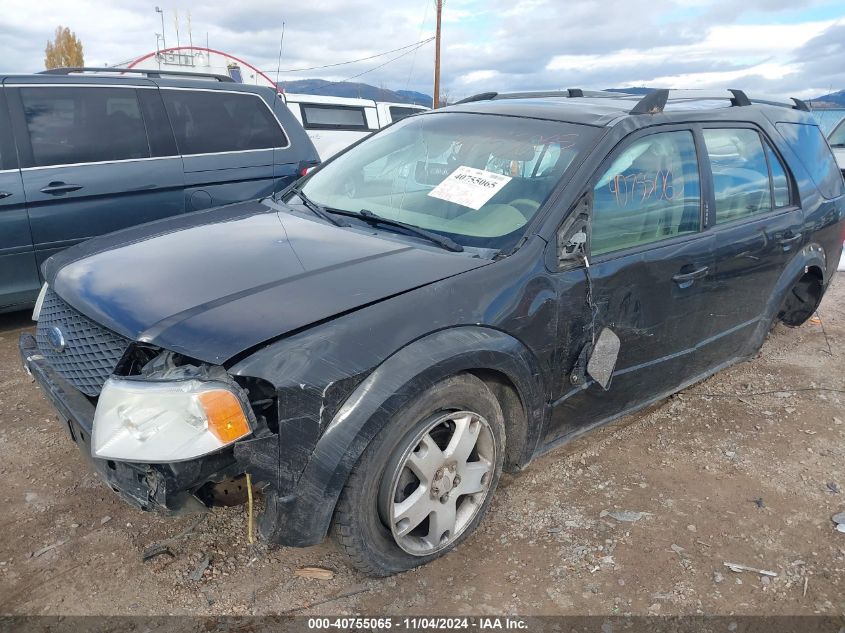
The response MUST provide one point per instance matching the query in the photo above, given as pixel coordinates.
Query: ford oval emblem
(57, 339)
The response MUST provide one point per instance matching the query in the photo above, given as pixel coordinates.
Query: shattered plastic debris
(737, 567)
(838, 518)
(627, 516)
(44, 550)
(200, 569)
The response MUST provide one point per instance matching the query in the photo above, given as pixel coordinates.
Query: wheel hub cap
(439, 483)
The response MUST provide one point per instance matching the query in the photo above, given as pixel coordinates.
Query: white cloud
(488, 44)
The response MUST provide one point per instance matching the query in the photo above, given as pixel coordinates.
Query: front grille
(91, 351)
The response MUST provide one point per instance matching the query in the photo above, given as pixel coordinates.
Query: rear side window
(397, 113)
(211, 121)
(780, 181)
(83, 125)
(809, 143)
(651, 192)
(740, 173)
(329, 117)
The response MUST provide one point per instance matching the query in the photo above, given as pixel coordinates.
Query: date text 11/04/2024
(419, 623)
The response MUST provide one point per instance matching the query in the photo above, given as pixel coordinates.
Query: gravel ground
(636, 518)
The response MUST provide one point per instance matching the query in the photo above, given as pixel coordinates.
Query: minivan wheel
(423, 484)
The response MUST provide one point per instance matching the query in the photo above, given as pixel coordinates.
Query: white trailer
(334, 123)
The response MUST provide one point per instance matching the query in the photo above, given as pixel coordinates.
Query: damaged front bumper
(168, 489)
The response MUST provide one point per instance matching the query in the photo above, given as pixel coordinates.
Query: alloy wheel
(439, 483)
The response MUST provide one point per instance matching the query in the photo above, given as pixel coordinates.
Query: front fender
(304, 517)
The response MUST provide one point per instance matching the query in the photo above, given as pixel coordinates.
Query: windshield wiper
(319, 211)
(440, 240)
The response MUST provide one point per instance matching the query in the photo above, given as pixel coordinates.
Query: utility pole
(163, 40)
(436, 98)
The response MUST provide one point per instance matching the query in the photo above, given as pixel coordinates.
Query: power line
(355, 61)
(389, 61)
(414, 58)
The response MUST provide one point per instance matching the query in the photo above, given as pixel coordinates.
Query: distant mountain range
(832, 100)
(355, 90)
(366, 91)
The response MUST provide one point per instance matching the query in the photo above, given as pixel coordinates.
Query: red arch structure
(205, 50)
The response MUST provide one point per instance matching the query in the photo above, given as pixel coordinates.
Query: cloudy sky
(778, 47)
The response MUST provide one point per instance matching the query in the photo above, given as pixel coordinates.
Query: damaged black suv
(449, 298)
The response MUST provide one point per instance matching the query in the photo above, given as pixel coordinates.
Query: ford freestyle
(447, 299)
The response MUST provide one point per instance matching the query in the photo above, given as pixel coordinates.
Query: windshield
(477, 179)
(837, 137)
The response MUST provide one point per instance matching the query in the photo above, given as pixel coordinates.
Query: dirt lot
(750, 479)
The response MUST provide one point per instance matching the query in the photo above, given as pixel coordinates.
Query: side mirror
(603, 359)
(574, 232)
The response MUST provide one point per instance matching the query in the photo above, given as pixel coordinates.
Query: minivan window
(212, 121)
(83, 125)
(650, 192)
(740, 173)
(476, 178)
(837, 137)
(397, 113)
(328, 117)
(809, 143)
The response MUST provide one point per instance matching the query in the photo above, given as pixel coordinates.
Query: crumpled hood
(211, 285)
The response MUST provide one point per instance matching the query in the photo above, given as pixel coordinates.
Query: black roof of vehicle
(604, 108)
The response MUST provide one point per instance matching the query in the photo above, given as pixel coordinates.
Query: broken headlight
(166, 421)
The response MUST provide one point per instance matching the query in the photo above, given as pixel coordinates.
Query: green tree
(64, 51)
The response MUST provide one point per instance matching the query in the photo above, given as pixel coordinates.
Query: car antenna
(276, 87)
(279, 63)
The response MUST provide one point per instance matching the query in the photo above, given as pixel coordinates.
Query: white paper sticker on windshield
(470, 187)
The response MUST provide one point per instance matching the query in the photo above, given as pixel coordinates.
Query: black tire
(358, 527)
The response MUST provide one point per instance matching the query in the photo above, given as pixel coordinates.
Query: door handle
(58, 188)
(787, 242)
(684, 280)
(4, 194)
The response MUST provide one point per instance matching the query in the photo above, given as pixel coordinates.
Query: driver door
(647, 262)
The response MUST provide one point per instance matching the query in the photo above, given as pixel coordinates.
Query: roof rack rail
(539, 94)
(153, 74)
(482, 96)
(792, 102)
(655, 101)
(800, 104)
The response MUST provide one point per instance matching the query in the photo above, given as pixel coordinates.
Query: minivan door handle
(684, 280)
(58, 188)
(787, 242)
(4, 194)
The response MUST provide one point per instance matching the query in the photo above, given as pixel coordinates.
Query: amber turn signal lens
(226, 419)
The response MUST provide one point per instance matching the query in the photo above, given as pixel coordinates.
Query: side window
(740, 173)
(328, 117)
(211, 121)
(837, 137)
(83, 125)
(650, 192)
(397, 113)
(780, 182)
(809, 143)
